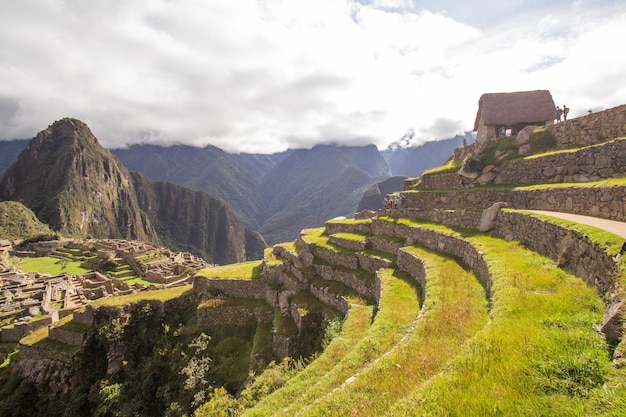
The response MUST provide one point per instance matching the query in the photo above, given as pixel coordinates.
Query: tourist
(559, 112)
(395, 201)
(565, 111)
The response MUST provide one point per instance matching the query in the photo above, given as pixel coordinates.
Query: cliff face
(191, 219)
(77, 187)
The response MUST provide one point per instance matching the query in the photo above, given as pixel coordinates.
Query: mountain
(310, 186)
(373, 195)
(412, 161)
(19, 222)
(80, 189)
(9, 150)
(73, 184)
(207, 169)
(277, 194)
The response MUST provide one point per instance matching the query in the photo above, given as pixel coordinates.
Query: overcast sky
(266, 75)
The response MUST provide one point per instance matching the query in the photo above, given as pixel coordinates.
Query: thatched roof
(513, 108)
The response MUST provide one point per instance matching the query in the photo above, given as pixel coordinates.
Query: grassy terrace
(454, 310)
(535, 352)
(354, 330)
(356, 237)
(241, 270)
(398, 308)
(609, 182)
(317, 237)
(162, 295)
(50, 265)
(539, 354)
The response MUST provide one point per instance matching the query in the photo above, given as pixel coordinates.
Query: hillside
(78, 188)
(19, 222)
(463, 301)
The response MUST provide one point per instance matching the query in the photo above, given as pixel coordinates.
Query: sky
(262, 76)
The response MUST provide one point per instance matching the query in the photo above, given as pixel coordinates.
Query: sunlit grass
(539, 355)
(450, 166)
(398, 307)
(241, 270)
(50, 265)
(352, 236)
(355, 326)
(161, 295)
(455, 308)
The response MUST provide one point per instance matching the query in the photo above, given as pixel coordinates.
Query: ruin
(32, 300)
(502, 112)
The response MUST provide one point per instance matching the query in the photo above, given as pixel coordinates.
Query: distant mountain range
(277, 195)
(80, 189)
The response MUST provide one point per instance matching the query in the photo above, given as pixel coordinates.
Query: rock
(612, 322)
(489, 215)
(523, 136)
(365, 214)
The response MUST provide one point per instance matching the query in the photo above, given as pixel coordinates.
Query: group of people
(561, 112)
(393, 201)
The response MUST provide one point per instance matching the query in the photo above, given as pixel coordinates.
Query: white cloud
(260, 76)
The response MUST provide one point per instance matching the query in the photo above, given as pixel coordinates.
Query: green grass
(398, 308)
(162, 295)
(454, 309)
(50, 265)
(354, 329)
(450, 166)
(352, 236)
(241, 270)
(539, 354)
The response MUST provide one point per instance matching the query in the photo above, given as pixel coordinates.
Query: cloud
(261, 75)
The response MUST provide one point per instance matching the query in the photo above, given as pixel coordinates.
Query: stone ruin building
(502, 112)
(31, 300)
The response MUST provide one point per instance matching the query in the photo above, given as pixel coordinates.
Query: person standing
(565, 111)
(559, 112)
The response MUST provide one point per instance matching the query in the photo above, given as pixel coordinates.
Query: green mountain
(207, 169)
(80, 189)
(311, 186)
(19, 222)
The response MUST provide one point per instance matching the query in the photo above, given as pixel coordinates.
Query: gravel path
(618, 228)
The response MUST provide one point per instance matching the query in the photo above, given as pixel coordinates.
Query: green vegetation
(455, 309)
(19, 222)
(450, 166)
(50, 265)
(159, 295)
(241, 270)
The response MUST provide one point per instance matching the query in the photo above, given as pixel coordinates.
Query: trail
(618, 228)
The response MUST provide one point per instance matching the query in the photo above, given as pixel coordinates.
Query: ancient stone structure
(499, 112)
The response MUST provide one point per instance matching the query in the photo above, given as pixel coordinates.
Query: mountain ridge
(80, 189)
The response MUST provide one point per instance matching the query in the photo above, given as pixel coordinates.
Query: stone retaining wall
(329, 298)
(68, 337)
(573, 251)
(19, 330)
(591, 129)
(592, 163)
(412, 265)
(605, 202)
(230, 288)
(362, 288)
(451, 245)
(231, 316)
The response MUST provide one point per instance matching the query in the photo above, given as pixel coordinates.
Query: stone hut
(499, 112)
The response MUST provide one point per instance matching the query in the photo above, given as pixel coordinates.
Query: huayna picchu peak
(80, 189)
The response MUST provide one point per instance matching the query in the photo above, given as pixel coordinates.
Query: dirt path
(618, 228)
